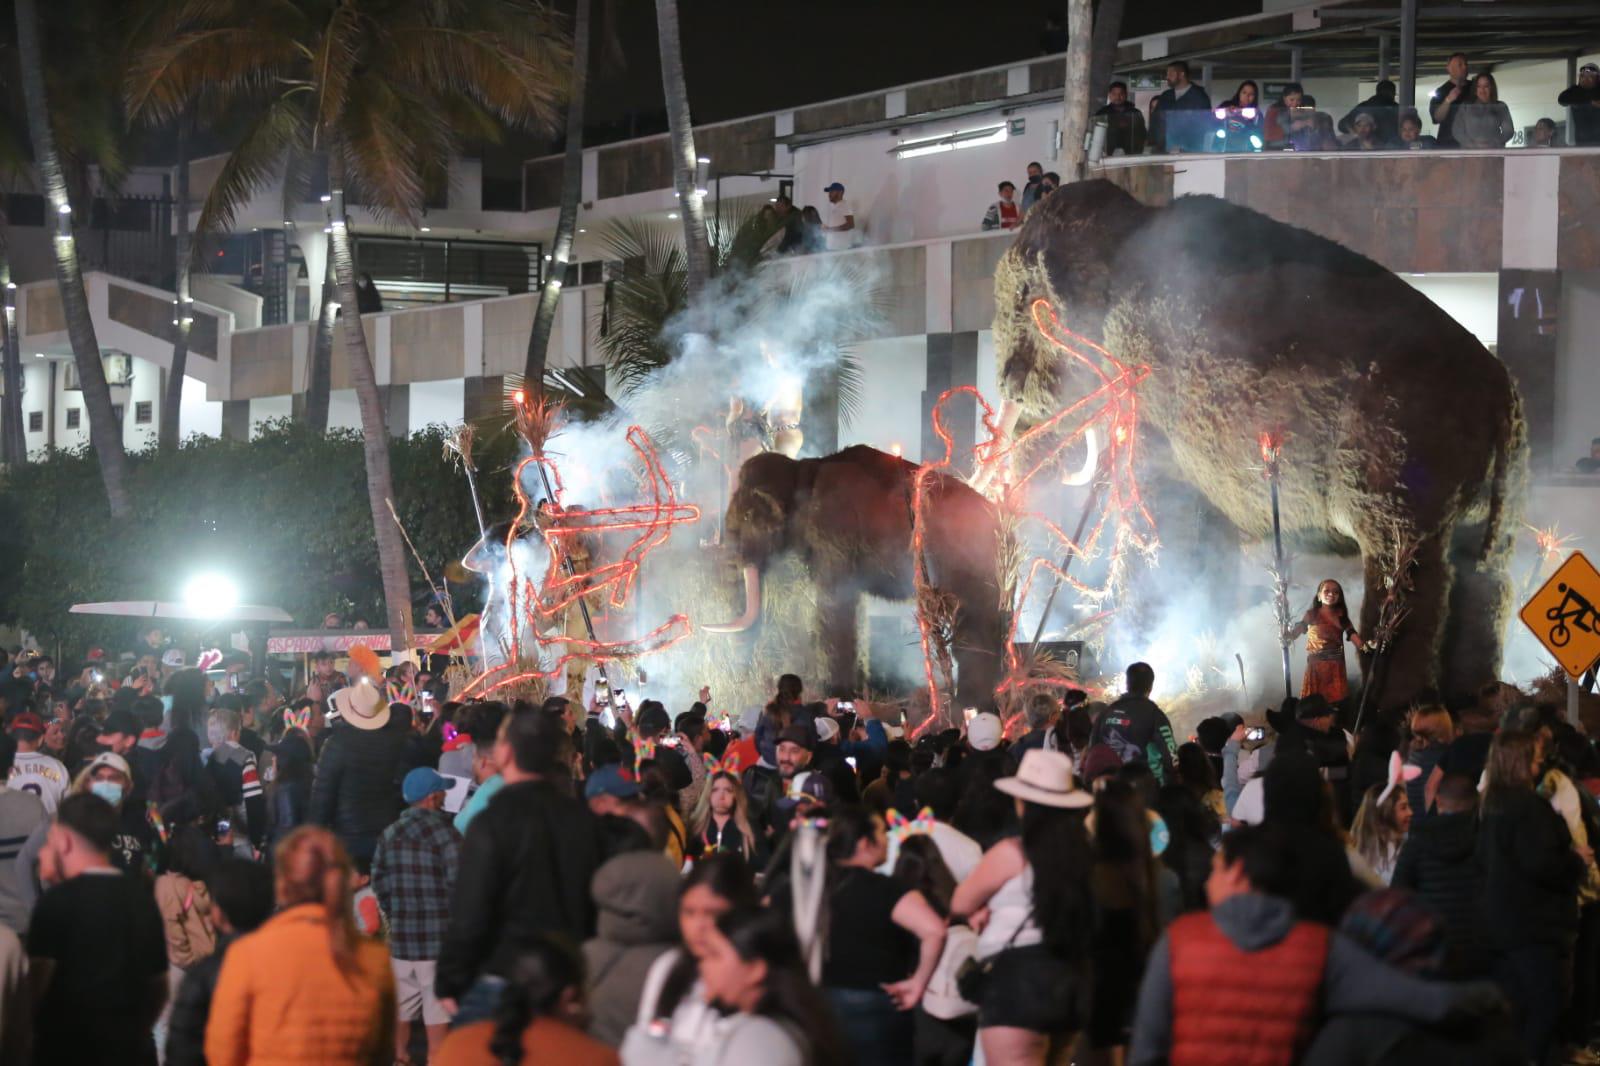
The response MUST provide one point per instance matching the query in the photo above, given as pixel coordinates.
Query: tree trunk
(13, 441)
(691, 209)
(1103, 42)
(374, 430)
(1075, 102)
(320, 371)
(571, 192)
(172, 402)
(104, 433)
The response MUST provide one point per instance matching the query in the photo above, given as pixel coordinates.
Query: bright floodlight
(210, 595)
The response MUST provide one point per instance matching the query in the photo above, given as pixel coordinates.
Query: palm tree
(691, 208)
(571, 190)
(381, 92)
(1107, 28)
(172, 402)
(104, 432)
(1075, 97)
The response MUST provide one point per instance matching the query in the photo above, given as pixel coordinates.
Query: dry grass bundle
(538, 418)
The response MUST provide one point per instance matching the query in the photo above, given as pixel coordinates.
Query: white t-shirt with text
(41, 774)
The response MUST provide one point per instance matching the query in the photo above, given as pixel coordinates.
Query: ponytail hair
(312, 867)
(535, 982)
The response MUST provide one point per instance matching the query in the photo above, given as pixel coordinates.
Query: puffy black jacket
(356, 791)
(1531, 873)
(191, 1008)
(1441, 864)
(526, 864)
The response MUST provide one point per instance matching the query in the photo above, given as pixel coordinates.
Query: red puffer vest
(1242, 1008)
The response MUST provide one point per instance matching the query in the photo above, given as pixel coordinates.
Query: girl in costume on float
(1325, 626)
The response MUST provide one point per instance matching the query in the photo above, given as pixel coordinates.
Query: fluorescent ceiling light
(950, 142)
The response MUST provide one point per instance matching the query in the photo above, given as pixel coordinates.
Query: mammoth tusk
(1091, 460)
(752, 605)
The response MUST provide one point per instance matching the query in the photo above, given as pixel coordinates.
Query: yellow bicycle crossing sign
(1562, 614)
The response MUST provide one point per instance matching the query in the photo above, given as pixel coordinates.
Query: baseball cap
(827, 729)
(813, 786)
(423, 782)
(1097, 761)
(984, 731)
(122, 722)
(610, 780)
(173, 657)
(27, 721)
(111, 759)
(1589, 68)
(796, 734)
(835, 187)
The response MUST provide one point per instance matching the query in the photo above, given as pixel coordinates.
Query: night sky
(743, 57)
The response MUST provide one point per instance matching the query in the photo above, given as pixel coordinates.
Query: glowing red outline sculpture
(1125, 513)
(558, 590)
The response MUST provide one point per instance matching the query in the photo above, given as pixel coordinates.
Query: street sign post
(1562, 615)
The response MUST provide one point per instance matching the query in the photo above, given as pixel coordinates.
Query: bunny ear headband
(901, 827)
(730, 763)
(643, 751)
(1399, 773)
(293, 719)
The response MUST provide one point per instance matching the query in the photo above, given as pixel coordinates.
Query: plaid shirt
(413, 872)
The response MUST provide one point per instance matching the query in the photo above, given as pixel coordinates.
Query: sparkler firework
(536, 602)
(1123, 524)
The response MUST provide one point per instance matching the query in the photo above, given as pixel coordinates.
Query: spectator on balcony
(1544, 134)
(1003, 213)
(1584, 99)
(1173, 122)
(1322, 137)
(792, 227)
(1125, 133)
(1365, 139)
(1447, 99)
(1411, 136)
(368, 301)
(1290, 121)
(1049, 183)
(1030, 189)
(1384, 109)
(812, 238)
(838, 219)
(1242, 120)
(1483, 121)
(1590, 464)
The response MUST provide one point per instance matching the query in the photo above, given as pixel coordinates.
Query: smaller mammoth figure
(848, 517)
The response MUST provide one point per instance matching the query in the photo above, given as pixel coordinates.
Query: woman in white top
(675, 1024)
(1031, 898)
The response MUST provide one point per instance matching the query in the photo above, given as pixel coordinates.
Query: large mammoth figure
(1395, 418)
(848, 516)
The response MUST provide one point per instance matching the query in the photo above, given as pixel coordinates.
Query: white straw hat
(362, 705)
(1045, 778)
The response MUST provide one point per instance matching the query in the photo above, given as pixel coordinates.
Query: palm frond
(254, 162)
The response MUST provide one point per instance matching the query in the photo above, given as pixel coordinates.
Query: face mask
(109, 791)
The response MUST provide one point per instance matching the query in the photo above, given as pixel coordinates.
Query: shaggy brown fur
(1394, 415)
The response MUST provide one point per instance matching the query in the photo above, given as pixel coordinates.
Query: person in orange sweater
(540, 1018)
(304, 987)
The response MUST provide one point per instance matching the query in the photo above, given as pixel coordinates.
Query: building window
(143, 412)
(73, 414)
(35, 421)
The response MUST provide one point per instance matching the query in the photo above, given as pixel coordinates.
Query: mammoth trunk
(752, 605)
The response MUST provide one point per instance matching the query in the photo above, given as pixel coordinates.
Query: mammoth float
(1397, 425)
(848, 518)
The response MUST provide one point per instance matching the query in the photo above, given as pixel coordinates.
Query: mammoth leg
(1413, 657)
(1480, 604)
(837, 603)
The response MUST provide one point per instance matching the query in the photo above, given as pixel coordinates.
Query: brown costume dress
(1325, 673)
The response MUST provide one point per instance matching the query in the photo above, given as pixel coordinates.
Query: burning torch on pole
(1272, 460)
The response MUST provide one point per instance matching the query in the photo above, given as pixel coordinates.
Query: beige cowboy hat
(362, 705)
(1045, 778)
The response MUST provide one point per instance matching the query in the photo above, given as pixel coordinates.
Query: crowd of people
(801, 231)
(205, 871)
(1466, 111)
